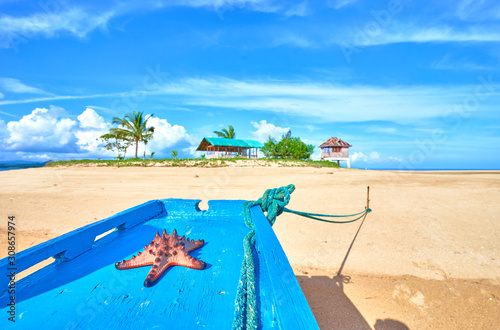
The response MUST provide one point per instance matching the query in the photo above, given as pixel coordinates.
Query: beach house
(229, 148)
(334, 149)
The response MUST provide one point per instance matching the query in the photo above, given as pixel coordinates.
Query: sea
(428, 169)
(19, 164)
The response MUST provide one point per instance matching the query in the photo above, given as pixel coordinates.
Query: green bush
(287, 148)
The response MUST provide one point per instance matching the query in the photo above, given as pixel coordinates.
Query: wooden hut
(334, 149)
(229, 148)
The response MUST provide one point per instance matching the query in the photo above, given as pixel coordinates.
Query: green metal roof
(228, 143)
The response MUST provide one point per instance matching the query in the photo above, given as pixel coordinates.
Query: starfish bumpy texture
(164, 251)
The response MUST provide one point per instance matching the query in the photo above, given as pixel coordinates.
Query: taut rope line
(273, 202)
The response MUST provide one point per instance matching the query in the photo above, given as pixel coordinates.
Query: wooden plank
(87, 291)
(74, 243)
(290, 307)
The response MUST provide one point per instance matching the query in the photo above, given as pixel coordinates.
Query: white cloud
(8, 114)
(191, 150)
(374, 155)
(50, 23)
(91, 127)
(337, 4)
(255, 5)
(90, 118)
(58, 18)
(38, 157)
(446, 63)
(165, 136)
(43, 130)
(330, 102)
(15, 86)
(473, 10)
(63, 97)
(265, 129)
(3, 129)
(297, 10)
(361, 157)
(316, 155)
(292, 39)
(358, 156)
(404, 32)
(387, 130)
(49, 132)
(317, 100)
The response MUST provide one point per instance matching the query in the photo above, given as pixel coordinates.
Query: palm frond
(133, 127)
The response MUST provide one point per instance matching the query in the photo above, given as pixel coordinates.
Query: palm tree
(133, 127)
(226, 133)
(174, 153)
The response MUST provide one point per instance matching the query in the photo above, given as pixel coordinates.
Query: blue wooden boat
(83, 289)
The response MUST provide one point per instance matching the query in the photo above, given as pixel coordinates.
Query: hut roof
(334, 142)
(222, 142)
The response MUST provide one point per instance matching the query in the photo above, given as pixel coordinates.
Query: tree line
(133, 129)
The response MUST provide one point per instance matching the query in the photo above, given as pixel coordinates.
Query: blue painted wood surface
(83, 289)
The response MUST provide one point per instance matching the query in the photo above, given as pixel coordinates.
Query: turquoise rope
(314, 216)
(273, 202)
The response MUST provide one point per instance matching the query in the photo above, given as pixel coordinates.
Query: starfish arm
(160, 264)
(184, 259)
(142, 259)
(190, 245)
(175, 257)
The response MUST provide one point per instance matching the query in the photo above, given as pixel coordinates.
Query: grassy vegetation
(189, 162)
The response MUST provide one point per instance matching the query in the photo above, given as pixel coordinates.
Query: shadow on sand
(332, 308)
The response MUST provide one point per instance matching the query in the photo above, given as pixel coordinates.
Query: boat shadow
(333, 309)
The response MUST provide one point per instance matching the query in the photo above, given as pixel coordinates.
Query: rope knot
(274, 201)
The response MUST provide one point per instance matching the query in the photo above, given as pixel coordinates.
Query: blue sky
(410, 84)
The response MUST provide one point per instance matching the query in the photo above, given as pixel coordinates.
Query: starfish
(164, 251)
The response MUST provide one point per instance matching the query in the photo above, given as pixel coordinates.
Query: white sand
(426, 257)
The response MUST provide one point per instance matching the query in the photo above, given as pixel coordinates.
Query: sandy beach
(428, 256)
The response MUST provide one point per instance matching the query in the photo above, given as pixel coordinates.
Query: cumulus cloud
(316, 155)
(357, 156)
(372, 157)
(90, 119)
(361, 157)
(48, 133)
(265, 129)
(43, 130)
(165, 136)
(91, 127)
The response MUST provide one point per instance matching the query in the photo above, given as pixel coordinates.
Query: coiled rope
(273, 202)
